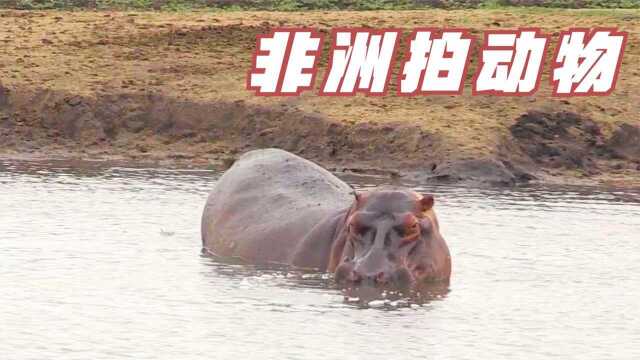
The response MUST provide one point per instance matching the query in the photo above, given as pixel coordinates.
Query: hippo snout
(377, 278)
(351, 274)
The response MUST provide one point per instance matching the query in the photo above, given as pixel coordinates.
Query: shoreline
(84, 160)
(553, 148)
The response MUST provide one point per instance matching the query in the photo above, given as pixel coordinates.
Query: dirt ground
(160, 86)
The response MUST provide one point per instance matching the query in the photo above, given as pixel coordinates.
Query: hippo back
(266, 203)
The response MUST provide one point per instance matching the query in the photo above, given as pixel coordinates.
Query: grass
(302, 5)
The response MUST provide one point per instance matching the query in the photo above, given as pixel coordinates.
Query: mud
(572, 142)
(625, 142)
(485, 170)
(157, 127)
(152, 127)
(560, 139)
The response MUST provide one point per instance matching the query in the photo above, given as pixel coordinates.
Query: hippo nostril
(380, 277)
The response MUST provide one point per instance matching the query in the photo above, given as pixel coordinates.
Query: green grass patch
(302, 5)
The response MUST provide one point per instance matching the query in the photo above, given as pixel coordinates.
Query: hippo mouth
(347, 276)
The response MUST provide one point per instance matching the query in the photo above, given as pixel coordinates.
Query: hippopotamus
(272, 206)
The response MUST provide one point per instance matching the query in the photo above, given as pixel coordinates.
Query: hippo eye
(410, 239)
(405, 231)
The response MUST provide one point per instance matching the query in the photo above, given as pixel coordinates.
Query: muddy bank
(540, 146)
(565, 141)
(156, 127)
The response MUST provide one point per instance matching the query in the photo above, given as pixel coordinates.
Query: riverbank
(169, 87)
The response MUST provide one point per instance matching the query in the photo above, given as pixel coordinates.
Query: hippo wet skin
(275, 207)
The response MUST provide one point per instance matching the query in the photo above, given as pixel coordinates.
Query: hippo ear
(426, 202)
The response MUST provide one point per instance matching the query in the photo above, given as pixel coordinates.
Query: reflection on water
(104, 262)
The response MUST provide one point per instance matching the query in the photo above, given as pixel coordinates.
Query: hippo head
(391, 239)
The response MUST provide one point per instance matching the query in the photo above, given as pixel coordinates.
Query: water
(104, 263)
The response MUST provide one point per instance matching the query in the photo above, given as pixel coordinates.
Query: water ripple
(103, 262)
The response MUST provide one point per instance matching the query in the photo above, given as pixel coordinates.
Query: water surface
(104, 262)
